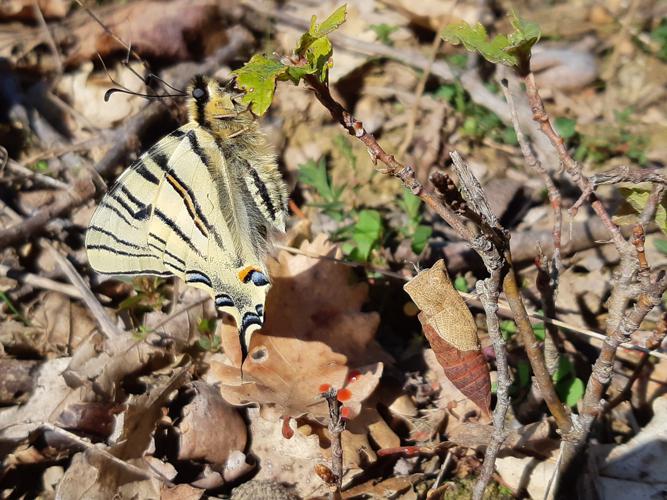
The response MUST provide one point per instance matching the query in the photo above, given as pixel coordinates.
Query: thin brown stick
(554, 194)
(653, 342)
(535, 354)
(39, 281)
(471, 298)
(488, 295)
(419, 91)
(602, 370)
(336, 428)
(393, 167)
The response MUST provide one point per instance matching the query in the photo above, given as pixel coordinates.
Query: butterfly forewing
(184, 209)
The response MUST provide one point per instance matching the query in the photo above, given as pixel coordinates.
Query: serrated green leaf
(420, 238)
(661, 246)
(511, 50)
(257, 78)
(475, 39)
(636, 197)
(318, 31)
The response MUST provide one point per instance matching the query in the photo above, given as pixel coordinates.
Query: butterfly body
(199, 205)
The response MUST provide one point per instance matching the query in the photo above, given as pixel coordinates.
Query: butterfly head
(217, 106)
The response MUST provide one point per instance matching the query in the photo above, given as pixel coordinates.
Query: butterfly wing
(183, 209)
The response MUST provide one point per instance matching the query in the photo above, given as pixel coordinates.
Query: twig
(419, 91)
(653, 342)
(145, 474)
(602, 370)
(393, 167)
(38, 178)
(625, 173)
(488, 293)
(572, 167)
(651, 207)
(471, 298)
(75, 196)
(53, 46)
(336, 428)
(39, 281)
(108, 328)
(554, 194)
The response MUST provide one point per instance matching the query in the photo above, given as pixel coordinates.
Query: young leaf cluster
(312, 56)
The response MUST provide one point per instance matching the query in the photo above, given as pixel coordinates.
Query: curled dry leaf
(452, 333)
(210, 429)
(314, 331)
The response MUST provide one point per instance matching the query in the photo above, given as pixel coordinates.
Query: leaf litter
(164, 410)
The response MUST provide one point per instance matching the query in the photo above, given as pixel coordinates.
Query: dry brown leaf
(50, 396)
(452, 333)
(210, 429)
(313, 333)
(24, 10)
(155, 29)
(180, 492)
(17, 381)
(287, 461)
(389, 488)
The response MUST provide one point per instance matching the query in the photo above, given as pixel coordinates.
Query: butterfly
(200, 204)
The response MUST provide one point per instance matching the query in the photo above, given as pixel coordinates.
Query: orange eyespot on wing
(253, 274)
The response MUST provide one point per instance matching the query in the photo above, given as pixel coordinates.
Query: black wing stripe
(114, 237)
(139, 204)
(116, 251)
(168, 253)
(263, 191)
(197, 277)
(143, 171)
(137, 272)
(157, 238)
(118, 213)
(114, 195)
(160, 215)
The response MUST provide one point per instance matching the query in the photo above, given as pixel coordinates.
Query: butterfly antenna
(110, 92)
(163, 82)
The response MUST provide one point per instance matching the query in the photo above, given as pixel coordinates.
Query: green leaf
(461, 284)
(383, 32)
(40, 166)
(257, 78)
(367, 233)
(571, 390)
(511, 50)
(475, 39)
(410, 204)
(318, 31)
(507, 328)
(566, 127)
(420, 238)
(564, 371)
(315, 175)
(538, 330)
(661, 246)
(523, 373)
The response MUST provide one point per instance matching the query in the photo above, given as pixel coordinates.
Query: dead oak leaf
(314, 331)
